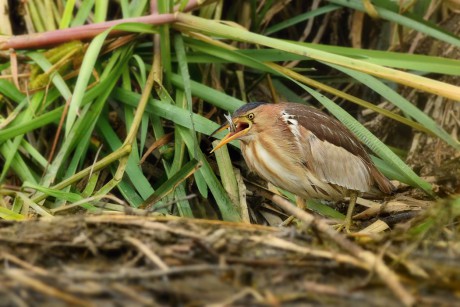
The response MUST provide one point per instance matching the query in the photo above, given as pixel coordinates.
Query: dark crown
(247, 107)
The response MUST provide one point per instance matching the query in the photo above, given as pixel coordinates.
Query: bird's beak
(242, 127)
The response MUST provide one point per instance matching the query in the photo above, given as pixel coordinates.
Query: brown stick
(85, 32)
(386, 275)
(20, 277)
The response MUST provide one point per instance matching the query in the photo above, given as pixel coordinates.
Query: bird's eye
(251, 116)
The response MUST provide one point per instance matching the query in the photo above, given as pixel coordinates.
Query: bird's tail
(382, 183)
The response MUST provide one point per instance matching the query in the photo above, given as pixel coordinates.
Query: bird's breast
(287, 171)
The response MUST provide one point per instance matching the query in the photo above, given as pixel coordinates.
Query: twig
(132, 293)
(158, 143)
(148, 252)
(233, 299)
(290, 246)
(149, 225)
(142, 273)
(39, 286)
(29, 267)
(135, 220)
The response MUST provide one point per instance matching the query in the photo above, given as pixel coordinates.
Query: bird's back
(334, 136)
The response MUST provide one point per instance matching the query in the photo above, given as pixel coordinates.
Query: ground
(124, 260)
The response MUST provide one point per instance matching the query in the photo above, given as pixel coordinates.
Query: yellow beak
(232, 135)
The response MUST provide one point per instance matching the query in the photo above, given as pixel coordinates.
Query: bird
(302, 150)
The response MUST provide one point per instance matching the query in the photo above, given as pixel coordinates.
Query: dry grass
(128, 259)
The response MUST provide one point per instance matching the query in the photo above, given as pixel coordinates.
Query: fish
(232, 126)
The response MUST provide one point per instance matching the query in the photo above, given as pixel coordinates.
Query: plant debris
(127, 259)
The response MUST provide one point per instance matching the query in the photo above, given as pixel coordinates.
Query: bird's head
(241, 123)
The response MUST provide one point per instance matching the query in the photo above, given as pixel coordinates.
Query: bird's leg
(351, 207)
(301, 203)
(348, 217)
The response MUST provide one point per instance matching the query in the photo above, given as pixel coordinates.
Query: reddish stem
(85, 32)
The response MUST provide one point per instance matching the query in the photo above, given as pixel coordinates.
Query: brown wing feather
(326, 128)
(333, 133)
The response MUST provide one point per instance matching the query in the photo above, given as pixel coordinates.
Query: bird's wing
(334, 164)
(331, 151)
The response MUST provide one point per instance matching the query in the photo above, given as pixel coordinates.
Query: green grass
(127, 94)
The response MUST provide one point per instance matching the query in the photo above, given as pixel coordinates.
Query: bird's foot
(287, 221)
(343, 226)
(291, 220)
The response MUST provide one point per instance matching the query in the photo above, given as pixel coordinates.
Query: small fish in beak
(238, 127)
(231, 124)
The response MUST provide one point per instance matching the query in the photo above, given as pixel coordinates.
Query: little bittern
(304, 151)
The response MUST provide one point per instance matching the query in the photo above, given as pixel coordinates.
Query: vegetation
(115, 117)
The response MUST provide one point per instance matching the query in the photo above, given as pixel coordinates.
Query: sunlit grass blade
(387, 169)
(200, 177)
(416, 62)
(91, 185)
(68, 196)
(40, 210)
(129, 193)
(10, 215)
(183, 205)
(185, 101)
(164, 7)
(83, 13)
(227, 175)
(136, 8)
(84, 76)
(67, 15)
(100, 10)
(62, 195)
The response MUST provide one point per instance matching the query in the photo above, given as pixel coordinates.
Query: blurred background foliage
(120, 121)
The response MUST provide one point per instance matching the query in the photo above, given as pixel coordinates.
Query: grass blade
(170, 185)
